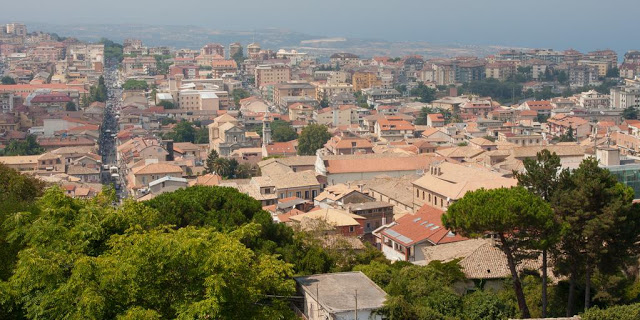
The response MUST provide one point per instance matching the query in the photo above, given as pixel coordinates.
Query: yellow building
(365, 80)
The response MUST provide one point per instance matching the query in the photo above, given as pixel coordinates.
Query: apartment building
(292, 89)
(272, 74)
(364, 80)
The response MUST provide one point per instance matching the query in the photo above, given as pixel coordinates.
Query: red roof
(51, 98)
(424, 225)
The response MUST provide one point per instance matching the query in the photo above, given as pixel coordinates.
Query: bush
(626, 312)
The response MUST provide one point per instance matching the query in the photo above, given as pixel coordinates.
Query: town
(335, 187)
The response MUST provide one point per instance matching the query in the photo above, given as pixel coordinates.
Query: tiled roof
(157, 168)
(424, 225)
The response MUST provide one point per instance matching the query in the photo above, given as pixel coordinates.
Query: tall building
(253, 50)
(212, 49)
(234, 49)
(272, 74)
(625, 96)
(17, 29)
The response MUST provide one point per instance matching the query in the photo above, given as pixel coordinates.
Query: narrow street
(109, 130)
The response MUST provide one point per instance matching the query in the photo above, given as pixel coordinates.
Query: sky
(559, 24)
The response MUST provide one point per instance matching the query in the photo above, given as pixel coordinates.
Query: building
(203, 100)
(344, 168)
(212, 49)
(219, 67)
(272, 74)
(301, 112)
(16, 29)
(447, 182)
(337, 116)
(340, 296)
(338, 145)
(404, 239)
(365, 80)
(301, 89)
(235, 49)
(625, 96)
(342, 59)
(227, 135)
(393, 128)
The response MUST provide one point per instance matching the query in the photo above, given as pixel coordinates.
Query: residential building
(272, 74)
(625, 96)
(435, 120)
(447, 182)
(333, 296)
(560, 124)
(337, 116)
(338, 145)
(292, 89)
(404, 239)
(364, 80)
(393, 128)
(345, 168)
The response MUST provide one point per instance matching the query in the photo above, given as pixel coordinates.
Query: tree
(112, 50)
(70, 106)
(486, 306)
(182, 132)
(424, 93)
(213, 155)
(201, 252)
(630, 113)
(166, 104)
(239, 94)
(512, 215)
(312, 138)
(221, 167)
(282, 131)
(568, 136)
(133, 84)
(541, 177)
(26, 147)
(238, 57)
(600, 225)
(613, 73)
(7, 80)
(627, 312)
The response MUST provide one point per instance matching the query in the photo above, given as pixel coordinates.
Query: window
(352, 229)
(417, 193)
(429, 197)
(306, 194)
(422, 195)
(298, 194)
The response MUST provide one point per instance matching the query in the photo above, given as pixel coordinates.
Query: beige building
(272, 74)
(327, 90)
(204, 100)
(292, 89)
(333, 117)
(447, 182)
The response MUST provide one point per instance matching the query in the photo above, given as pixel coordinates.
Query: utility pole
(317, 302)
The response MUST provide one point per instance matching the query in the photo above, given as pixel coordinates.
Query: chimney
(169, 146)
(361, 187)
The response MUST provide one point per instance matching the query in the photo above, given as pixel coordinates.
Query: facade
(364, 80)
(272, 74)
(301, 89)
(625, 96)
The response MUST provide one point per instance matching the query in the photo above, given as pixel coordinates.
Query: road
(109, 130)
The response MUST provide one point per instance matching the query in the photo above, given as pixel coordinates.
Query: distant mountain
(194, 37)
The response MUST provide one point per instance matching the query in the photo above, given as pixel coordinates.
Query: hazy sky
(581, 24)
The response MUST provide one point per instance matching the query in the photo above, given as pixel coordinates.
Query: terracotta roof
(455, 180)
(334, 217)
(157, 168)
(377, 163)
(424, 225)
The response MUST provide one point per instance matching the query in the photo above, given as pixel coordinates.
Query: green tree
(282, 131)
(112, 50)
(133, 84)
(613, 73)
(312, 138)
(213, 155)
(26, 147)
(486, 306)
(7, 80)
(424, 93)
(183, 131)
(541, 177)
(238, 57)
(70, 106)
(513, 215)
(600, 225)
(221, 167)
(568, 136)
(239, 94)
(166, 104)
(630, 113)
(626, 312)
